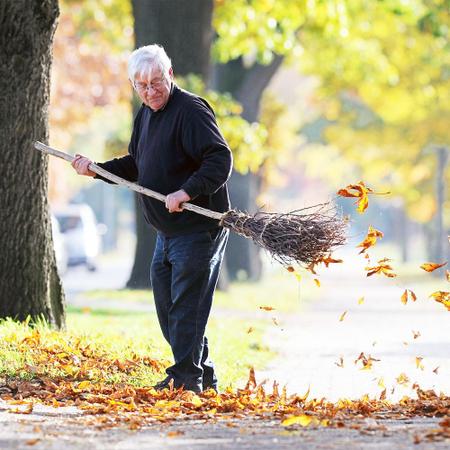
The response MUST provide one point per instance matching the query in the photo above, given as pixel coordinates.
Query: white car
(82, 234)
(59, 245)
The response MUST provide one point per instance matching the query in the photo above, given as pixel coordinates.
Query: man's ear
(171, 73)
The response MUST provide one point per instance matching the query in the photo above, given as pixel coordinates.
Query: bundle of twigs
(304, 236)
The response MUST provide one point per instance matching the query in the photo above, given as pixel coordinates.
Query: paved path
(312, 342)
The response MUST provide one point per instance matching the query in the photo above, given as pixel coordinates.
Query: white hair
(145, 59)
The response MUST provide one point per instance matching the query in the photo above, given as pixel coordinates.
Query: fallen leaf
(341, 362)
(267, 308)
(341, 318)
(290, 269)
(317, 282)
(274, 320)
(302, 420)
(361, 301)
(416, 334)
(431, 267)
(436, 369)
(250, 330)
(175, 433)
(447, 275)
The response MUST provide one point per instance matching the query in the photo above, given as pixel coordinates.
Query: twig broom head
(303, 236)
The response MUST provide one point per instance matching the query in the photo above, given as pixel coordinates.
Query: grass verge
(118, 348)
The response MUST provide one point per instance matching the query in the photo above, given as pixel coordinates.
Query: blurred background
(311, 95)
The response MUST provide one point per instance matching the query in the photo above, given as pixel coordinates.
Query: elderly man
(176, 148)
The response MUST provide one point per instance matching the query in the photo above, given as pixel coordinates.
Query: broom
(304, 236)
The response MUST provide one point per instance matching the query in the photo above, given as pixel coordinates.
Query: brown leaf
(381, 268)
(175, 433)
(267, 308)
(430, 267)
(416, 334)
(341, 362)
(360, 191)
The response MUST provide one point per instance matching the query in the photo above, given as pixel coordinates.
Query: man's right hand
(81, 165)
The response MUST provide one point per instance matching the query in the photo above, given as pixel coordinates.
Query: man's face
(154, 89)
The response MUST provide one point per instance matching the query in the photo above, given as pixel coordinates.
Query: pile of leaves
(114, 404)
(71, 372)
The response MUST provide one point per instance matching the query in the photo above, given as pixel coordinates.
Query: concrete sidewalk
(311, 343)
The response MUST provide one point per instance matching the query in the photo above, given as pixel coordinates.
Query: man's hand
(81, 165)
(174, 201)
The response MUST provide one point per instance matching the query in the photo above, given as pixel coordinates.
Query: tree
(29, 282)
(186, 37)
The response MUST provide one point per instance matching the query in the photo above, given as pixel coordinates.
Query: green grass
(26, 352)
(280, 290)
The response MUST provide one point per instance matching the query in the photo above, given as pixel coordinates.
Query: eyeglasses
(155, 84)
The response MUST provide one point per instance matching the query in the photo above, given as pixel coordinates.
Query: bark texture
(29, 282)
(184, 30)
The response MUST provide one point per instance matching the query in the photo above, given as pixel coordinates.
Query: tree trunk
(29, 282)
(184, 30)
(247, 86)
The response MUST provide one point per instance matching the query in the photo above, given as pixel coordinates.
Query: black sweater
(178, 147)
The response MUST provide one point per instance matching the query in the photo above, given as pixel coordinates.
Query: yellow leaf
(361, 301)
(84, 384)
(302, 420)
(342, 316)
(317, 282)
(430, 267)
(404, 297)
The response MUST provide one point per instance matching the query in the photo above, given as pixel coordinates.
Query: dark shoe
(167, 383)
(170, 383)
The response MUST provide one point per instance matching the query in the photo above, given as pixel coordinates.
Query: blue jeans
(184, 274)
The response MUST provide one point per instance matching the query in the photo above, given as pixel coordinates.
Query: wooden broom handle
(133, 186)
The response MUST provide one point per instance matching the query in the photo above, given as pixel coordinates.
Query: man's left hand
(174, 201)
